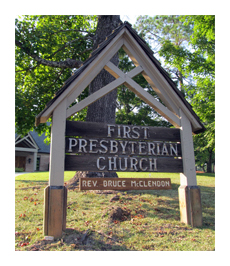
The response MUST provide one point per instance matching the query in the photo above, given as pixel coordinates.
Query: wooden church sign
(121, 147)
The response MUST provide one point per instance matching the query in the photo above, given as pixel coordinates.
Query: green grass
(153, 223)
(42, 176)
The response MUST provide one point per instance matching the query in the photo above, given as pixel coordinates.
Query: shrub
(19, 169)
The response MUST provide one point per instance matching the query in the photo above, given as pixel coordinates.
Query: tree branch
(90, 35)
(66, 44)
(68, 63)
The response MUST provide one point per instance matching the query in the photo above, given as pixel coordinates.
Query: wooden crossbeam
(144, 95)
(116, 72)
(126, 79)
(149, 99)
(94, 97)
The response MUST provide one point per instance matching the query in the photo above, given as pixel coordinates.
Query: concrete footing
(55, 203)
(190, 205)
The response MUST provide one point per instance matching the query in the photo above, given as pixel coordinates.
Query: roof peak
(127, 23)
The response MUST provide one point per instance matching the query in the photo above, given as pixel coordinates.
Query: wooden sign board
(125, 183)
(115, 131)
(118, 148)
(122, 164)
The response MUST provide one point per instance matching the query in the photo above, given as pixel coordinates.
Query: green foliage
(203, 97)
(19, 169)
(186, 45)
(169, 38)
(52, 38)
(130, 108)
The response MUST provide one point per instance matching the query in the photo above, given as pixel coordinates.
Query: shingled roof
(147, 51)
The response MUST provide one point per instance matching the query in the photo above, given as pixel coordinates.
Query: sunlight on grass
(152, 220)
(42, 176)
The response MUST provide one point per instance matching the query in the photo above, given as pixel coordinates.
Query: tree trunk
(104, 109)
(209, 164)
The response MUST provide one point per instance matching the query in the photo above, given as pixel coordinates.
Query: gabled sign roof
(125, 37)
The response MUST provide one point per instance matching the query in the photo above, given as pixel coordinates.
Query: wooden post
(189, 192)
(35, 161)
(56, 193)
(55, 211)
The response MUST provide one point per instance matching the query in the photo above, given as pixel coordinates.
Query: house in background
(31, 153)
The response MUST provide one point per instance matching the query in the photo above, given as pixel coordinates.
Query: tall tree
(48, 49)
(187, 47)
(104, 109)
(202, 95)
(168, 37)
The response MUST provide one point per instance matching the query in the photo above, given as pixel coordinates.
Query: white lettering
(151, 164)
(151, 147)
(123, 146)
(158, 148)
(141, 147)
(135, 132)
(126, 131)
(133, 164)
(112, 163)
(110, 130)
(82, 146)
(123, 169)
(140, 164)
(172, 149)
(133, 183)
(164, 149)
(91, 145)
(71, 144)
(145, 132)
(98, 163)
(103, 146)
(119, 131)
(113, 146)
(132, 145)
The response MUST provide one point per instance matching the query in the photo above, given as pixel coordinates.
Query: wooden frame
(174, 109)
(150, 72)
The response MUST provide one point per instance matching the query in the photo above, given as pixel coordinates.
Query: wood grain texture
(100, 130)
(114, 164)
(46, 211)
(55, 215)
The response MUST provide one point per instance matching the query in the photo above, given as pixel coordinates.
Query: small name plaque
(125, 183)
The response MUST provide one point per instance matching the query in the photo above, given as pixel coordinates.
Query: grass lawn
(152, 220)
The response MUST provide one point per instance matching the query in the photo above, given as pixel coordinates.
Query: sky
(130, 18)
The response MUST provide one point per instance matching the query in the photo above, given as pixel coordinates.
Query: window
(38, 164)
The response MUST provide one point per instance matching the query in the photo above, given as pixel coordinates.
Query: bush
(19, 169)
